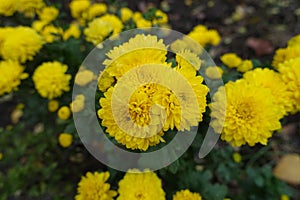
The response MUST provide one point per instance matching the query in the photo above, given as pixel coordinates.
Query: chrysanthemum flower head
(294, 41)
(290, 74)
(204, 36)
(84, 77)
(97, 31)
(251, 113)
(231, 60)
(285, 54)
(95, 10)
(245, 66)
(50, 79)
(65, 139)
(29, 7)
(137, 186)
(272, 80)
(160, 18)
(77, 104)
(22, 44)
(140, 50)
(51, 33)
(214, 72)
(53, 105)
(8, 7)
(48, 14)
(79, 7)
(114, 22)
(94, 186)
(126, 14)
(11, 74)
(72, 31)
(186, 195)
(64, 113)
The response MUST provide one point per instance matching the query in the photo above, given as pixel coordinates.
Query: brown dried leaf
(288, 169)
(260, 46)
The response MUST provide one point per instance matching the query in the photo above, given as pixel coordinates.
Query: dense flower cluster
(178, 112)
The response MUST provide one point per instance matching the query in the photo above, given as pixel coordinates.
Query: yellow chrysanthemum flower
(78, 7)
(204, 36)
(77, 104)
(64, 113)
(160, 17)
(11, 74)
(65, 139)
(29, 7)
(105, 81)
(140, 50)
(95, 10)
(186, 43)
(294, 41)
(236, 157)
(84, 77)
(21, 44)
(231, 60)
(128, 139)
(290, 73)
(284, 197)
(53, 105)
(48, 14)
(136, 186)
(72, 31)
(186, 195)
(8, 7)
(51, 33)
(214, 72)
(97, 31)
(272, 80)
(114, 22)
(245, 66)
(285, 54)
(50, 79)
(126, 14)
(1, 156)
(251, 113)
(94, 186)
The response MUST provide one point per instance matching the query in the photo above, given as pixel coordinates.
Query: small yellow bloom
(65, 139)
(38, 25)
(78, 104)
(186, 195)
(84, 77)
(143, 23)
(64, 113)
(48, 14)
(160, 17)
(126, 14)
(96, 10)
(53, 105)
(79, 7)
(51, 33)
(205, 36)
(237, 157)
(214, 72)
(284, 197)
(72, 31)
(97, 31)
(16, 115)
(231, 60)
(29, 8)
(1, 156)
(245, 66)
